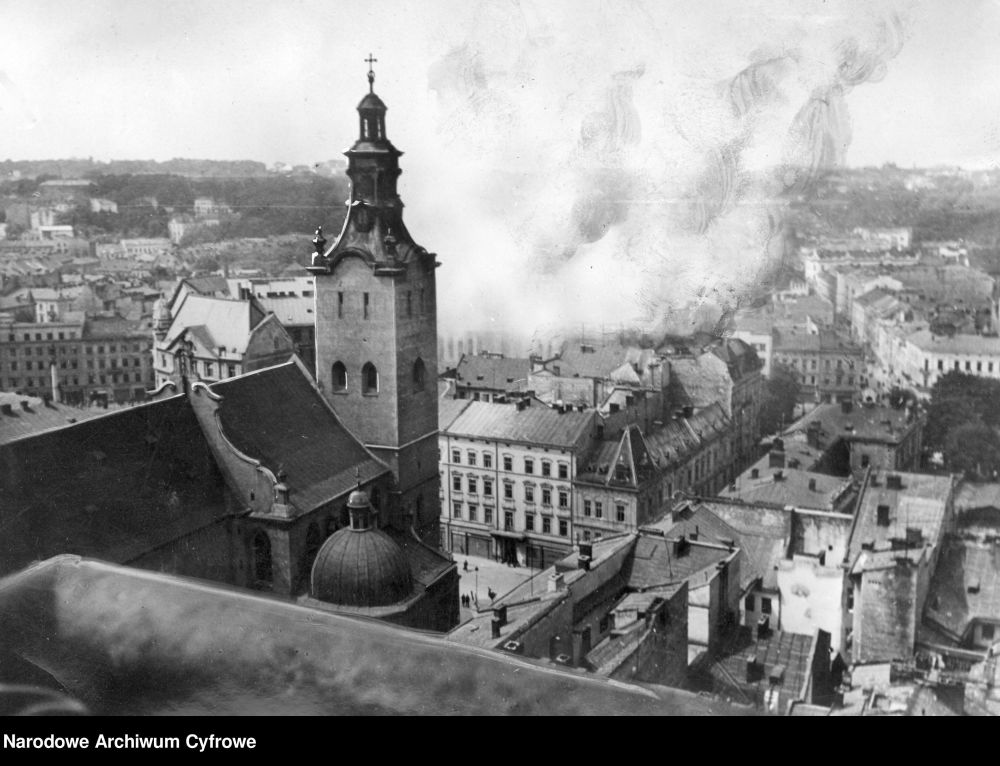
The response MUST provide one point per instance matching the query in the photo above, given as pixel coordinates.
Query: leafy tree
(957, 399)
(781, 394)
(973, 449)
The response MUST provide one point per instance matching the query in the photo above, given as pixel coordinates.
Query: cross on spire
(371, 72)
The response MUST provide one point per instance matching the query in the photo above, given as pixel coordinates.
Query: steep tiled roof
(534, 424)
(228, 323)
(654, 564)
(966, 585)
(276, 416)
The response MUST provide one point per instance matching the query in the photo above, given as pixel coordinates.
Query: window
(529, 522)
(340, 305)
(508, 463)
(456, 510)
(546, 496)
(367, 305)
(456, 456)
(563, 527)
(605, 624)
(488, 487)
(508, 491)
(419, 375)
(765, 605)
(369, 379)
(546, 525)
(473, 511)
(508, 520)
(529, 493)
(232, 370)
(586, 508)
(563, 499)
(473, 486)
(865, 460)
(940, 364)
(529, 465)
(563, 471)
(488, 514)
(968, 366)
(472, 457)
(456, 483)
(987, 632)
(487, 460)
(749, 603)
(546, 468)
(619, 512)
(586, 535)
(979, 366)
(598, 509)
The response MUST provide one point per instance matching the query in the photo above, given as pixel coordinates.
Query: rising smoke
(628, 163)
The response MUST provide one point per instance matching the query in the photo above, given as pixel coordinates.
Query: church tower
(376, 326)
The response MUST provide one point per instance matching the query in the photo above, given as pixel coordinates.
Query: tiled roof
(972, 495)
(880, 424)
(228, 323)
(966, 585)
(727, 673)
(600, 361)
(39, 416)
(491, 371)
(792, 489)
(764, 534)
(534, 424)
(705, 380)
(449, 409)
(113, 487)
(920, 504)
(276, 416)
(653, 564)
(291, 309)
(677, 440)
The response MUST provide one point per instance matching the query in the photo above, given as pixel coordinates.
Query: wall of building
(662, 657)
(811, 597)
(211, 553)
(815, 532)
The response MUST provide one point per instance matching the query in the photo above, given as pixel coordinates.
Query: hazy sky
(277, 80)
(612, 156)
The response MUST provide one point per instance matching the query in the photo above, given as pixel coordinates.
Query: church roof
(371, 101)
(275, 415)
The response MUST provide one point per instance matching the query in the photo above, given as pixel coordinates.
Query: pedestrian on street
(465, 565)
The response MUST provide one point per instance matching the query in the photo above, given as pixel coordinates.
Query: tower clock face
(363, 218)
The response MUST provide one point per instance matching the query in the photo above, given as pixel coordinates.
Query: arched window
(261, 550)
(369, 379)
(419, 375)
(338, 377)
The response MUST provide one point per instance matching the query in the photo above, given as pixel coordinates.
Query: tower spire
(371, 72)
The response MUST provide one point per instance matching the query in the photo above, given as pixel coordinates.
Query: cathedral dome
(361, 566)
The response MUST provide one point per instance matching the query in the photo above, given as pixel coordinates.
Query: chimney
(779, 475)
(6, 409)
(25, 406)
(585, 556)
(694, 535)
(613, 407)
(763, 627)
(500, 615)
(681, 546)
(893, 481)
(777, 458)
(688, 411)
(882, 515)
(754, 473)
(755, 671)
(555, 582)
(495, 626)
(812, 485)
(281, 507)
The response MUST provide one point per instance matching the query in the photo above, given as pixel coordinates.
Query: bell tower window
(369, 379)
(338, 376)
(419, 375)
